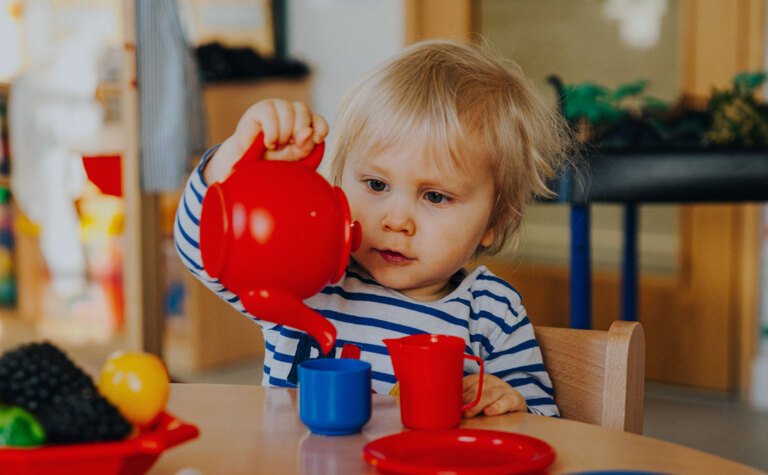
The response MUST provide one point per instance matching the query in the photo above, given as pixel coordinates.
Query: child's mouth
(392, 256)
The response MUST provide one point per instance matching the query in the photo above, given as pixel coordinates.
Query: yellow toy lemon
(137, 384)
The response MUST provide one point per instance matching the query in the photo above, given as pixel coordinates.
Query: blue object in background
(174, 299)
(335, 395)
(581, 268)
(630, 270)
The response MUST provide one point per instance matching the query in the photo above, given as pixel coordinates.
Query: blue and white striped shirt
(483, 310)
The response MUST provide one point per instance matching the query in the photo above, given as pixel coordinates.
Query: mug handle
(257, 150)
(479, 385)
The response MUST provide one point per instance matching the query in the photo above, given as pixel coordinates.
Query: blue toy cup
(335, 395)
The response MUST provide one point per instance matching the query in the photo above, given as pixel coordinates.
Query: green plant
(600, 105)
(737, 117)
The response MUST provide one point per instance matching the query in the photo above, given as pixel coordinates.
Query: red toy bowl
(131, 456)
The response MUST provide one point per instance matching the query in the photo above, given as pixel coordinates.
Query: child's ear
(487, 239)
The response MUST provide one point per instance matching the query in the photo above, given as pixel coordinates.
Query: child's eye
(376, 185)
(436, 198)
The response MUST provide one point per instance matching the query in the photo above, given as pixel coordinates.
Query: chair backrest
(598, 376)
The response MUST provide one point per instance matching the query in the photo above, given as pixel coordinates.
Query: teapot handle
(257, 150)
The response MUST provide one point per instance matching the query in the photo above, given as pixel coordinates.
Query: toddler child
(438, 152)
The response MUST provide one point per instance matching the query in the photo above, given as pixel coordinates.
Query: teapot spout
(278, 306)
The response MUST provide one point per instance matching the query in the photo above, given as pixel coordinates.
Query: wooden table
(253, 430)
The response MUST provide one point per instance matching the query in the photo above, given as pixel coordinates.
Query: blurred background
(89, 180)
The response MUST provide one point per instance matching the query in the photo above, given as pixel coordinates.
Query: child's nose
(398, 220)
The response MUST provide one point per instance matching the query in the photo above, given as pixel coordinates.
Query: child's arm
(290, 130)
(502, 335)
(516, 361)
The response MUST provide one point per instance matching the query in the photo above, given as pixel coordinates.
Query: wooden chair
(598, 376)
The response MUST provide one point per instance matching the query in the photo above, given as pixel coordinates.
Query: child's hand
(498, 396)
(290, 130)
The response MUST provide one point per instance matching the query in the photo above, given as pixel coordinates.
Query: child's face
(421, 222)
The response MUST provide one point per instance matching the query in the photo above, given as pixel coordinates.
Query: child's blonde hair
(477, 110)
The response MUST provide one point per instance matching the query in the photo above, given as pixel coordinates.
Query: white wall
(341, 40)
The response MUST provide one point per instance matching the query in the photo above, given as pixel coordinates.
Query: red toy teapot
(276, 233)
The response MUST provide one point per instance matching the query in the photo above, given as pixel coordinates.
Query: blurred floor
(709, 421)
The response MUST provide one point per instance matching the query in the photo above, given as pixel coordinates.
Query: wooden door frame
(720, 39)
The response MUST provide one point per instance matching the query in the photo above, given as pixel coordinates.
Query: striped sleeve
(512, 353)
(516, 358)
(186, 232)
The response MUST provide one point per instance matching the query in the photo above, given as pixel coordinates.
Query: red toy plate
(459, 451)
(131, 456)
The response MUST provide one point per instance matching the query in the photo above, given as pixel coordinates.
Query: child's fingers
(289, 129)
(287, 154)
(286, 116)
(261, 117)
(302, 118)
(307, 136)
(469, 387)
(490, 395)
(469, 382)
(320, 127)
(508, 402)
(303, 141)
(498, 396)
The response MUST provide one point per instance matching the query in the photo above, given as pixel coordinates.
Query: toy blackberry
(82, 417)
(33, 375)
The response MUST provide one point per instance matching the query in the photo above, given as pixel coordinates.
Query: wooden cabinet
(226, 102)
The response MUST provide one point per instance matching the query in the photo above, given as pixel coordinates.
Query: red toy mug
(276, 233)
(430, 371)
